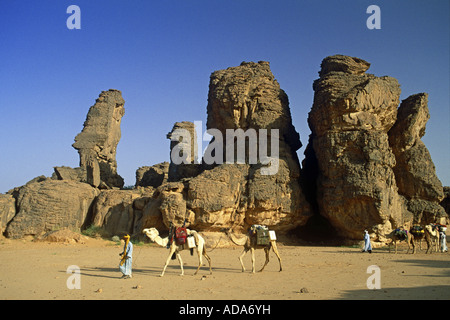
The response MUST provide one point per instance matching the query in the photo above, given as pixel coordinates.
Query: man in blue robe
(367, 244)
(127, 258)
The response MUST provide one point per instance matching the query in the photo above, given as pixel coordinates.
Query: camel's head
(429, 228)
(152, 233)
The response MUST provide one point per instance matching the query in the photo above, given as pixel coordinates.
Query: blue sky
(161, 53)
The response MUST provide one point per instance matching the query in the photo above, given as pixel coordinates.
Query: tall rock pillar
(97, 142)
(350, 119)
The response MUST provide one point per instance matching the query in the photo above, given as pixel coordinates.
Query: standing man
(367, 244)
(443, 238)
(126, 258)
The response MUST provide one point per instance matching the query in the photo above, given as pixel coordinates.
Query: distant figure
(127, 258)
(443, 238)
(367, 244)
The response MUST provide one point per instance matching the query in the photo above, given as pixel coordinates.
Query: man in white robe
(367, 244)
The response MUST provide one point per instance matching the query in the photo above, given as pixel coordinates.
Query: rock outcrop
(183, 151)
(350, 119)
(7, 211)
(236, 195)
(414, 170)
(49, 205)
(97, 142)
(365, 165)
(152, 176)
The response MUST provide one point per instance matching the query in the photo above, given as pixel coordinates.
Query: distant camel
(431, 234)
(396, 237)
(153, 234)
(249, 243)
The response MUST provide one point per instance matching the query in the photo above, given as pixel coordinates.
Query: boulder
(152, 176)
(63, 236)
(49, 205)
(114, 211)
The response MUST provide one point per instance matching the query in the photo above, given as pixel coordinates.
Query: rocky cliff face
(365, 165)
(350, 119)
(237, 194)
(414, 170)
(368, 167)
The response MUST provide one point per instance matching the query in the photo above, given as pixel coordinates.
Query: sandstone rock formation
(365, 165)
(113, 211)
(63, 236)
(350, 119)
(183, 151)
(49, 205)
(414, 170)
(152, 176)
(232, 195)
(445, 203)
(7, 211)
(97, 142)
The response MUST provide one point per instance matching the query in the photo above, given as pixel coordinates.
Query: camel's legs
(167, 262)
(267, 251)
(253, 259)
(181, 263)
(200, 261)
(209, 260)
(240, 259)
(275, 249)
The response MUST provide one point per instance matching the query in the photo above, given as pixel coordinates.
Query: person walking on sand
(367, 244)
(443, 239)
(126, 258)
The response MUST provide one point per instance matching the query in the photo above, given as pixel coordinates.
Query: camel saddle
(180, 235)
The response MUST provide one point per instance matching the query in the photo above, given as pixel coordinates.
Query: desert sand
(37, 270)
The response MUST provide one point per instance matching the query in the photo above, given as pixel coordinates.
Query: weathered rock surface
(183, 151)
(152, 176)
(233, 195)
(414, 170)
(113, 211)
(349, 120)
(97, 142)
(7, 211)
(63, 236)
(49, 205)
(445, 203)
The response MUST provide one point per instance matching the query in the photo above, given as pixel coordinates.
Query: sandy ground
(30, 270)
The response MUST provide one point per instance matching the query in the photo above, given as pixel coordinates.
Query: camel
(432, 234)
(409, 239)
(153, 235)
(249, 243)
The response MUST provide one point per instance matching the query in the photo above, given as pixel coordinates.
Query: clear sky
(161, 53)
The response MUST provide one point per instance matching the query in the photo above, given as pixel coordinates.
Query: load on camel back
(263, 234)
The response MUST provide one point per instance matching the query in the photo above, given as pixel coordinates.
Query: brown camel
(249, 241)
(398, 237)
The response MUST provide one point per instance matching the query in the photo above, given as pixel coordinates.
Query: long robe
(125, 268)
(367, 244)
